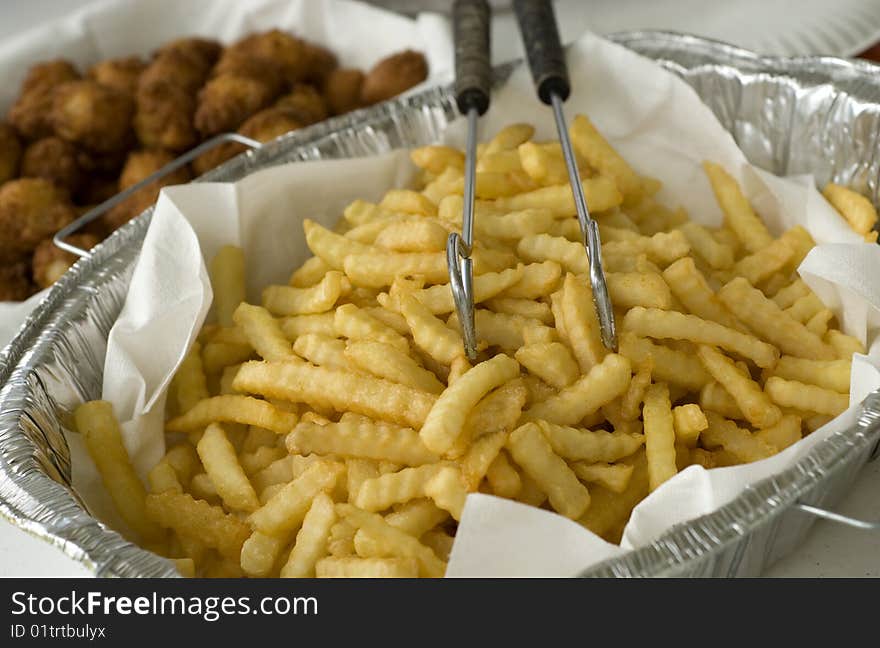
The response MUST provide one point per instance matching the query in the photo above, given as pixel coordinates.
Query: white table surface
(830, 549)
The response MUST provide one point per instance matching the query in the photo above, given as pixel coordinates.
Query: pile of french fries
(337, 428)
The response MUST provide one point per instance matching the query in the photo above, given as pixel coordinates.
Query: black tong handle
(473, 68)
(537, 24)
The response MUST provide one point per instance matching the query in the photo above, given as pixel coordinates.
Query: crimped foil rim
(30, 496)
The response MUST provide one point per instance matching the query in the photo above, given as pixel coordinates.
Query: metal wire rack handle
(174, 165)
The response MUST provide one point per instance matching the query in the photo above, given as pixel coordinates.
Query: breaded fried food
(10, 152)
(31, 209)
(342, 90)
(15, 281)
(55, 160)
(264, 126)
(227, 101)
(138, 166)
(320, 62)
(96, 188)
(30, 114)
(289, 54)
(174, 68)
(201, 51)
(165, 118)
(304, 103)
(50, 262)
(393, 75)
(92, 115)
(121, 74)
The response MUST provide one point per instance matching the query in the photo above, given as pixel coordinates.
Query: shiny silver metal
(459, 248)
(815, 115)
(589, 232)
(171, 167)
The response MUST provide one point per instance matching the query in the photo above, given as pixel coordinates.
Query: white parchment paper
(359, 34)
(661, 127)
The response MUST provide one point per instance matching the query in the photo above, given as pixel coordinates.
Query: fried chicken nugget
(15, 281)
(342, 90)
(55, 160)
(227, 101)
(304, 103)
(201, 51)
(176, 68)
(138, 166)
(31, 209)
(164, 117)
(289, 54)
(121, 74)
(320, 62)
(264, 126)
(30, 114)
(393, 75)
(92, 115)
(50, 261)
(10, 152)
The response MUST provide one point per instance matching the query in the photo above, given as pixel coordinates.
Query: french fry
(364, 439)
(415, 236)
(531, 450)
(688, 421)
(222, 466)
(218, 355)
(788, 295)
(659, 435)
(198, 519)
(609, 509)
(538, 279)
(854, 207)
(828, 374)
(526, 308)
(550, 361)
(581, 323)
(234, 409)
(103, 439)
(669, 365)
(190, 384)
(600, 155)
(631, 401)
(718, 255)
(417, 516)
(605, 382)
(479, 457)
(323, 351)
(311, 541)
(447, 489)
(262, 457)
(785, 433)
(600, 192)
(357, 324)
(662, 248)
(386, 361)
(738, 214)
(762, 314)
(844, 345)
(744, 445)
(379, 493)
(438, 299)
(309, 273)
(162, 478)
(818, 323)
(227, 281)
(353, 567)
(201, 487)
(749, 397)
(614, 477)
(503, 478)
(651, 322)
(286, 510)
(809, 398)
(506, 161)
(576, 444)
(393, 540)
(508, 138)
(690, 287)
(322, 387)
(544, 248)
(628, 289)
(715, 398)
(341, 540)
(499, 410)
(330, 247)
(286, 300)
(260, 552)
(805, 308)
(437, 158)
(429, 333)
(508, 332)
(263, 332)
(446, 419)
(408, 202)
(760, 265)
(439, 541)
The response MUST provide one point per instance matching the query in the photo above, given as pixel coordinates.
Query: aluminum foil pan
(811, 115)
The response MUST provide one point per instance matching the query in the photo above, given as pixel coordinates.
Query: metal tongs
(537, 23)
(473, 81)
